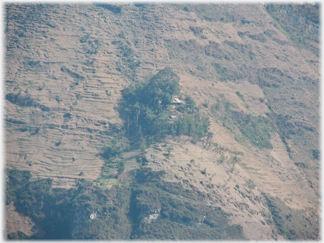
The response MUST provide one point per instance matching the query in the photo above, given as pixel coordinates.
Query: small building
(176, 101)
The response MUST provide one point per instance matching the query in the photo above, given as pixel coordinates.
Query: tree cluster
(145, 109)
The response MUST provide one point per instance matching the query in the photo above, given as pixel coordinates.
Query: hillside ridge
(67, 67)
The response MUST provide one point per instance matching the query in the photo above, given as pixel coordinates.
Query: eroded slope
(67, 63)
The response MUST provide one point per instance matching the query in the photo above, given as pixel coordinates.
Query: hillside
(247, 163)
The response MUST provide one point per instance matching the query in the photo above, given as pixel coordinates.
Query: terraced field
(65, 68)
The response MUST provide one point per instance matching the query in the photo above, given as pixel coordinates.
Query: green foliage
(128, 56)
(119, 212)
(221, 71)
(240, 95)
(20, 100)
(116, 9)
(127, 64)
(250, 184)
(301, 165)
(125, 50)
(302, 32)
(53, 209)
(189, 106)
(111, 152)
(141, 159)
(256, 129)
(16, 180)
(316, 154)
(144, 106)
(67, 115)
(111, 155)
(291, 224)
(182, 219)
(221, 159)
(121, 167)
(121, 35)
(285, 128)
(208, 12)
(72, 74)
(194, 125)
(18, 236)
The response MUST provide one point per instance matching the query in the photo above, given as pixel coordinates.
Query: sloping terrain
(65, 68)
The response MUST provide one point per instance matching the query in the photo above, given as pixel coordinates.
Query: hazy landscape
(162, 121)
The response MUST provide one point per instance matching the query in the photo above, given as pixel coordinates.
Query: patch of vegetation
(221, 71)
(71, 73)
(85, 38)
(67, 115)
(121, 213)
(221, 159)
(291, 224)
(256, 129)
(32, 130)
(40, 88)
(285, 128)
(240, 95)
(59, 212)
(145, 108)
(196, 30)
(18, 99)
(250, 184)
(183, 219)
(301, 165)
(316, 153)
(127, 60)
(112, 156)
(300, 22)
(116, 9)
(125, 50)
(208, 12)
(18, 236)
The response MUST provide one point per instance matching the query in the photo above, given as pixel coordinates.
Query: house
(176, 101)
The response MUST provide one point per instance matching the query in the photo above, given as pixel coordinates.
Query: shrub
(121, 167)
(240, 95)
(20, 100)
(67, 115)
(316, 154)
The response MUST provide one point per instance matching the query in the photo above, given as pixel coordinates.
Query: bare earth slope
(65, 67)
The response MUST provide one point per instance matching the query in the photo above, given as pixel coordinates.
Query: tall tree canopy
(145, 106)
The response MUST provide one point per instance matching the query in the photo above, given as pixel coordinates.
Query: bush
(240, 95)
(316, 154)
(113, 8)
(222, 73)
(111, 152)
(144, 106)
(121, 167)
(20, 100)
(67, 115)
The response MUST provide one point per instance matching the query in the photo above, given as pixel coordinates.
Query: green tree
(145, 104)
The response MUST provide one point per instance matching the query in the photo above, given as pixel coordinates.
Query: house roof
(176, 100)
